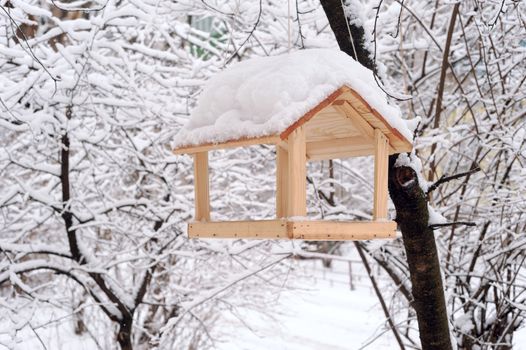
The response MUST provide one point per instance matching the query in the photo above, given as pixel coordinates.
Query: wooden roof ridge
(391, 128)
(310, 114)
(278, 138)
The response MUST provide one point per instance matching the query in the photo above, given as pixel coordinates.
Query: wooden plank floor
(310, 230)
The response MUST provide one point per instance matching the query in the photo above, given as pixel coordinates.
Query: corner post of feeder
(381, 168)
(282, 171)
(297, 173)
(201, 187)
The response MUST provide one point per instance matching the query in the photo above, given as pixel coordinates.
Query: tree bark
(341, 27)
(411, 212)
(124, 334)
(125, 324)
(428, 292)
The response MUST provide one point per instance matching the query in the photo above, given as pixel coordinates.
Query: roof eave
(402, 144)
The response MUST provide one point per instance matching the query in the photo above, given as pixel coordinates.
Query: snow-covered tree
(93, 202)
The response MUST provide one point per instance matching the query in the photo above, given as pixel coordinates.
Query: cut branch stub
(408, 197)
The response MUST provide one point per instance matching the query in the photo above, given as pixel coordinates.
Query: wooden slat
(297, 183)
(287, 229)
(328, 126)
(272, 140)
(263, 229)
(313, 112)
(350, 112)
(381, 159)
(375, 119)
(364, 152)
(201, 187)
(341, 231)
(282, 170)
(337, 147)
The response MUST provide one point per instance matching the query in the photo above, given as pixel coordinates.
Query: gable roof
(263, 100)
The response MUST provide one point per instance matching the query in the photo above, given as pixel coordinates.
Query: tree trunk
(340, 27)
(411, 211)
(124, 335)
(428, 292)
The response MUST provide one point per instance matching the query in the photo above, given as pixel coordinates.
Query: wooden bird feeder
(343, 125)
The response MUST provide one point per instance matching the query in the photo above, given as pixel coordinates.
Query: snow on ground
(43, 332)
(263, 96)
(320, 313)
(323, 314)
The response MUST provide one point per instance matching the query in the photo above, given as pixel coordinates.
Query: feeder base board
(315, 230)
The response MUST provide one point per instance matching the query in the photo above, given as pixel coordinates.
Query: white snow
(412, 161)
(435, 218)
(320, 312)
(30, 9)
(263, 96)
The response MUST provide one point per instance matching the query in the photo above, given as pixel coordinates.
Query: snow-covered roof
(266, 95)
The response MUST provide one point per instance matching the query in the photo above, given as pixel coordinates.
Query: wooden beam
(282, 171)
(350, 112)
(314, 111)
(262, 229)
(332, 149)
(201, 187)
(288, 229)
(329, 124)
(375, 119)
(381, 159)
(297, 183)
(341, 230)
(272, 140)
(364, 152)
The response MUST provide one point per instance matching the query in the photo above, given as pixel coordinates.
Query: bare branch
(465, 223)
(445, 179)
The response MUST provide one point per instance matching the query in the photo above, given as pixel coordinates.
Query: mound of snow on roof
(265, 95)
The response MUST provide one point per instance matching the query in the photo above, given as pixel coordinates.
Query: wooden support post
(381, 160)
(202, 196)
(282, 170)
(297, 183)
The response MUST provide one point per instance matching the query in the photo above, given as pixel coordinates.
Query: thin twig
(83, 9)
(379, 295)
(465, 223)
(299, 25)
(442, 81)
(445, 179)
(31, 53)
(249, 34)
(375, 70)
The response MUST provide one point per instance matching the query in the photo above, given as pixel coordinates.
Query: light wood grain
(287, 229)
(381, 159)
(271, 140)
(282, 171)
(201, 187)
(398, 142)
(340, 148)
(297, 183)
(328, 126)
(350, 112)
(355, 152)
(341, 230)
(262, 229)
(313, 112)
